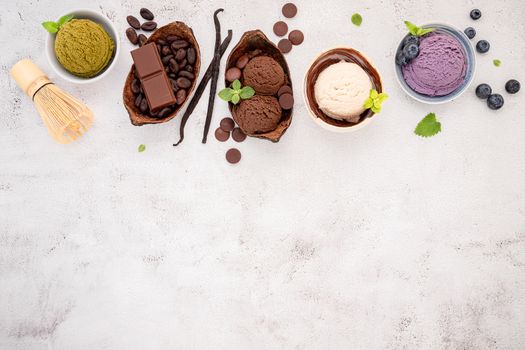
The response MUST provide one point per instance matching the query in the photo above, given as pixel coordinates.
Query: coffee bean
(172, 38)
(183, 83)
(148, 26)
(143, 105)
(174, 86)
(289, 10)
(221, 135)
(296, 37)
(132, 36)
(133, 21)
(146, 14)
(233, 74)
(174, 66)
(188, 68)
(179, 44)
(166, 59)
(183, 63)
(286, 101)
(138, 100)
(162, 42)
(285, 45)
(159, 48)
(280, 28)
(165, 50)
(233, 156)
(180, 55)
(135, 86)
(191, 55)
(227, 124)
(181, 96)
(242, 61)
(142, 39)
(164, 112)
(238, 135)
(284, 89)
(186, 74)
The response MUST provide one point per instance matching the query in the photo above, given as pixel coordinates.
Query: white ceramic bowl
(110, 29)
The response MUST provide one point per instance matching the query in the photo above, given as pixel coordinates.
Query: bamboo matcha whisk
(65, 117)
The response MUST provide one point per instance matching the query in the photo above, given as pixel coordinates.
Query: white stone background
(372, 240)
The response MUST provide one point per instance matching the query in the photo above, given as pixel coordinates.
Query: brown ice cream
(264, 75)
(259, 114)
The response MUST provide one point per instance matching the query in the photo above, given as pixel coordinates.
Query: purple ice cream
(440, 67)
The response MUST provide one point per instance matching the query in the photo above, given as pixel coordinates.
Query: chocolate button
(280, 28)
(289, 10)
(238, 135)
(221, 135)
(242, 61)
(233, 156)
(233, 74)
(286, 101)
(227, 124)
(296, 37)
(285, 89)
(285, 45)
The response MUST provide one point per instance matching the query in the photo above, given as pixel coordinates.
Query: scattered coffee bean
(135, 86)
(191, 55)
(148, 26)
(143, 105)
(242, 61)
(133, 22)
(181, 96)
(179, 44)
(285, 89)
(142, 39)
(164, 112)
(289, 10)
(238, 135)
(221, 135)
(186, 74)
(227, 124)
(296, 37)
(233, 156)
(233, 74)
(132, 36)
(146, 14)
(180, 55)
(286, 101)
(285, 45)
(280, 28)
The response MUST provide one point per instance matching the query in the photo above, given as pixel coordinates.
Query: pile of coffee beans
(222, 134)
(148, 26)
(178, 57)
(280, 28)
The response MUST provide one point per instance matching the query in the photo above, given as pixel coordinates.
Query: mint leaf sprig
(375, 100)
(236, 93)
(417, 31)
(428, 126)
(53, 27)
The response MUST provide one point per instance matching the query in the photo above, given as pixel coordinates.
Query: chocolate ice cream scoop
(264, 74)
(259, 114)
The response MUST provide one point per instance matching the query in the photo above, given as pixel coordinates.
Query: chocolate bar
(153, 77)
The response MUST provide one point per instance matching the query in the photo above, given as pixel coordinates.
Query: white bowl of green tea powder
(82, 46)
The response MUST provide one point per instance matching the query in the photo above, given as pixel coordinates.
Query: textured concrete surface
(371, 240)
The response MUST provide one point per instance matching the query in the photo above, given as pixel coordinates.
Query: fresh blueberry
(483, 91)
(410, 39)
(411, 51)
(401, 59)
(475, 14)
(470, 32)
(482, 46)
(512, 86)
(495, 101)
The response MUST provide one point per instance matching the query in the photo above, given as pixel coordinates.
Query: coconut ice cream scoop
(341, 90)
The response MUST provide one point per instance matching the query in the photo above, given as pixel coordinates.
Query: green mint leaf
(412, 28)
(424, 31)
(226, 94)
(50, 26)
(236, 85)
(357, 19)
(497, 62)
(64, 19)
(247, 92)
(236, 99)
(428, 126)
(142, 148)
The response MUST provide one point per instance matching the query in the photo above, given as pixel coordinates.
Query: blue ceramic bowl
(471, 66)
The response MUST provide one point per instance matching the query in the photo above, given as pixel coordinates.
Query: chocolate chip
(172, 38)
(143, 105)
(221, 135)
(142, 39)
(183, 83)
(133, 22)
(162, 42)
(284, 89)
(285, 45)
(166, 59)
(186, 74)
(233, 156)
(148, 26)
(164, 112)
(146, 14)
(179, 44)
(138, 100)
(286, 101)
(289, 10)
(132, 36)
(165, 50)
(135, 86)
(174, 66)
(227, 124)
(242, 61)
(238, 135)
(191, 55)
(233, 74)
(280, 28)
(296, 37)
(181, 96)
(180, 55)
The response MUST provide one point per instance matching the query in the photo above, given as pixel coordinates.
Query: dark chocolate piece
(238, 135)
(153, 77)
(286, 101)
(221, 135)
(285, 45)
(289, 10)
(227, 124)
(280, 28)
(296, 37)
(233, 156)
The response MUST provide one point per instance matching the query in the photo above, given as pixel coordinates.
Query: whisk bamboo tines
(65, 117)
